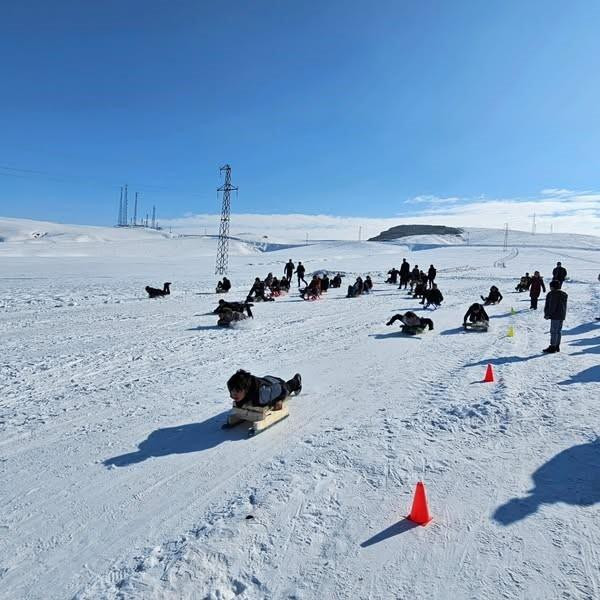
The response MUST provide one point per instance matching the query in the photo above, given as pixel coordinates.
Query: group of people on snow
(360, 286)
(272, 391)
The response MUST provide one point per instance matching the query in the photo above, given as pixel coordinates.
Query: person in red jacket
(535, 289)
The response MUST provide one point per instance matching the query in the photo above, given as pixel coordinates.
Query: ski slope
(119, 483)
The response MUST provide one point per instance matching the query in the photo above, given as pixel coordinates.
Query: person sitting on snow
(432, 296)
(494, 297)
(420, 288)
(245, 388)
(312, 290)
(524, 283)
(368, 284)
(393, 275)
(325, 283)
(223, 286)
(336, 282)
(411, 321)
(476, 314)
(257, 292)
(356, 289)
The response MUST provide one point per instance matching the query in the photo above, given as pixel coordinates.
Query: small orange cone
(489, 375)
(420, 512)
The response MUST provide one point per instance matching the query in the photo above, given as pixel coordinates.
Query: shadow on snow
(395, 529)
(591, 375)
(182, 439)
(570, 477)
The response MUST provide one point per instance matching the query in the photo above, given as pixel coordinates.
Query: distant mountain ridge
(401, 231)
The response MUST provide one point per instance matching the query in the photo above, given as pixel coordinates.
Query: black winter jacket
(265, 390)
(556, 305)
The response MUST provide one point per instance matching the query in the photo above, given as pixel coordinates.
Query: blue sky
(347, 108)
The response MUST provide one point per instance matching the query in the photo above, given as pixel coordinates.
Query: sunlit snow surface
(118, 482)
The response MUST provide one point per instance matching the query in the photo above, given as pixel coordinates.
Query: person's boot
(556, 348)
(297, 383)
(550, 349)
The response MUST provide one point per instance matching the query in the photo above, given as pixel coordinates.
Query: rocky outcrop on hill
(401, 231)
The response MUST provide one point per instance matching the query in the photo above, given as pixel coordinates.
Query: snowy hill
(118, 481)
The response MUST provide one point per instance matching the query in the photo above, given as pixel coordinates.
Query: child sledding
(313, 290)
(231, 313)
(476, 318)
(494, 296)
(223, 286)
(411, 323)
(157, 292)
(261, 401)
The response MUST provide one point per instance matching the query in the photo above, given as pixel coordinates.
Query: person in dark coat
(336, 282)
(415, 277)
(433, 296)
(476, 314)
(535, 289)
(555, 309)
(300, 270)
(228, 317)
(431, 274)
(404, 274)
(494, 297)
(313, 289)
(411, 321)
(368, 284)
(257, 292)
(223, 286)
(288, 270)
(245, 388)
(356, 289)
(235, 306)
(325, 283)
(419, 290)
(559, 273)
(393, 275)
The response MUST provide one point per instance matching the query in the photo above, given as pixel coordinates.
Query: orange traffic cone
(489, 375)
(420, 512)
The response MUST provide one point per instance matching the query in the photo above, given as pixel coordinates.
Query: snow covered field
(117, 481)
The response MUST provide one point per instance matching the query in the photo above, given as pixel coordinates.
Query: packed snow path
(119, 483)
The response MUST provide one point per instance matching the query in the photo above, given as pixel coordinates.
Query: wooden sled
(477, 326)
(261, 417)
(412, 330)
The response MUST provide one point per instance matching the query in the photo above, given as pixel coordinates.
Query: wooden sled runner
(261, 417)
(477, 326)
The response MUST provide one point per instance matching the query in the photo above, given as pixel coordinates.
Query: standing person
(300, 270)
(415, 276)
(288, 270)
(431, 275)
(555, 309)
(559, 273)
(535, 289)
(404, 274)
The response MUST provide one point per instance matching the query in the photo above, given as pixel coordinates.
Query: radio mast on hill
(223, 245)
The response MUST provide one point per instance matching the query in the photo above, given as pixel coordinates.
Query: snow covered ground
(117, 481)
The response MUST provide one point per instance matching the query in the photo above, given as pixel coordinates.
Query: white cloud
(563, 210)
(426, 199)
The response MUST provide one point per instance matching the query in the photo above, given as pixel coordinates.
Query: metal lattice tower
(223, 245)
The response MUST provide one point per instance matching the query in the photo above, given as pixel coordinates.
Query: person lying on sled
(476, 314)
(412, 321)
(245, 388)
